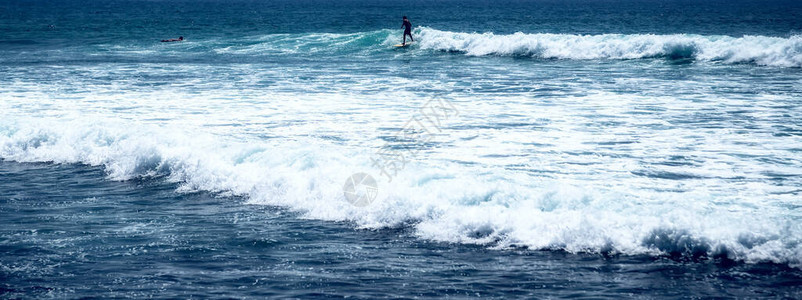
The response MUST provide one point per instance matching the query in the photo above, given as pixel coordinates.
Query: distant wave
(760, 50)
(757, 50)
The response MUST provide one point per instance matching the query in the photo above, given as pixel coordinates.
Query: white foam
(761, 50)
(550, 183)
(446, 201)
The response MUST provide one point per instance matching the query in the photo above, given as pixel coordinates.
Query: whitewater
(760, 50)
(579, 164)
(681, 48)
(285, 149)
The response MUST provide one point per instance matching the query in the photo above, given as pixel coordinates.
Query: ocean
(287, 149)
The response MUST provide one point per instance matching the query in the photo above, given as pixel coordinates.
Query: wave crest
(760, 50)
(444, 202)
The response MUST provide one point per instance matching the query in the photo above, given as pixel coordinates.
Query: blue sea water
(597, 149)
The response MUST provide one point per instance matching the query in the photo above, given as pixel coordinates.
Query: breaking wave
(760, 50)
(757, 50)
(443, 202)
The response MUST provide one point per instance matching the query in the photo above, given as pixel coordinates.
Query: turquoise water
(597, 149)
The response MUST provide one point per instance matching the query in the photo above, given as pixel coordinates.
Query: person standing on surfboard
(407, 31)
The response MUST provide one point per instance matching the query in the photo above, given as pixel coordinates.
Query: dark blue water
(131, 19)
(68, 232)
(603, 149)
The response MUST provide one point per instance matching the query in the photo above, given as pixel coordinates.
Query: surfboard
(401, 45)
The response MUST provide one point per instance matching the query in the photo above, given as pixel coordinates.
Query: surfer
(179, 39)
(407, 31)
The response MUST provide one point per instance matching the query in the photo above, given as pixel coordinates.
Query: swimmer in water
(179, 39)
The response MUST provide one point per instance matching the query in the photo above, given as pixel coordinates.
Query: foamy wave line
(761, 50)
(444, 202)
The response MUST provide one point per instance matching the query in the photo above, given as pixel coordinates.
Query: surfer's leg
(407, 33)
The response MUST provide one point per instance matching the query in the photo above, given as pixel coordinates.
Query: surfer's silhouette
(407, 31)
(179, 39)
